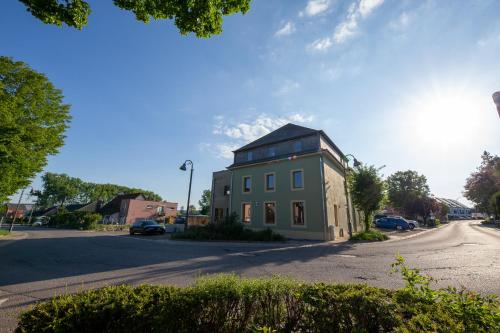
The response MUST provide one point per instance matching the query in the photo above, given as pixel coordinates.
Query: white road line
(3, 300)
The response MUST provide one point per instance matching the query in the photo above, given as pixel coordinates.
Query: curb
(441, 226)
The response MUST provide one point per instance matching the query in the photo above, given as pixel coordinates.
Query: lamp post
(15, 212)
(496, 99)
(183, 168)
(356, 164)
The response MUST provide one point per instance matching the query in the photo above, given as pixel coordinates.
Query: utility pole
(15, 212)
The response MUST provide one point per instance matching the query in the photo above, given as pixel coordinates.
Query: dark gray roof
(284, 133)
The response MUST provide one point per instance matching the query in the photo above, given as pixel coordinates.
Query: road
(48, 262)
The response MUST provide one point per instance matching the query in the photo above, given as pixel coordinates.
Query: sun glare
(444, 117)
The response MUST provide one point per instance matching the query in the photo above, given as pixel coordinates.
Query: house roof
(22, 207)
(284, 133)
(452, 203)
(288, 132)
(113, 206)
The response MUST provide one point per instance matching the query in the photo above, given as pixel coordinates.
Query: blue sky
(406, 84)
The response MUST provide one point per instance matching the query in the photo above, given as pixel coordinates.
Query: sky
(401, 83)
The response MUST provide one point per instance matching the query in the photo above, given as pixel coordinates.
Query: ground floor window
(246, 212)
(219, 214)
(269, 213)
(298, 213)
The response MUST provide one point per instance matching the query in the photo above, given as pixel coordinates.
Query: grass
(3, 232)
(371, 235)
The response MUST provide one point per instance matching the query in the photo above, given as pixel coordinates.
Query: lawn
(3, 232)
(371, 235)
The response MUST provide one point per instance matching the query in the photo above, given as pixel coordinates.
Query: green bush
(371, 235)
(75, 220)
(228, 303)
(229, 229)
(4, 232)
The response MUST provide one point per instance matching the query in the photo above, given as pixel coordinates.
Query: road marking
(345, 255)
(3, 300)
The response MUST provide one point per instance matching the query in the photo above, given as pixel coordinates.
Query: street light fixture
(183, 167)
(356, 162)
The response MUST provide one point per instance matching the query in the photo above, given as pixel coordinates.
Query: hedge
(75, 220)
(228, 303)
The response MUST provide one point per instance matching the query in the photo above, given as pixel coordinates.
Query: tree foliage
(33, 119)
(405, 188)
(205, 202)
(202, 17)
(367, 191)
(59, 189)
(484, 182)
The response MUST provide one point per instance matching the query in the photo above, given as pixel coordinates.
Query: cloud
(491, 40)
(349, 26)
(321, 44)
(242, 132)
(287, 87)
(315, 7)
(287, 29)
(402, 22)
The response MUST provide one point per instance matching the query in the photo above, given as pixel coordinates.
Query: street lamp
(496, 99)
(184, 168)
(356, 162)
(17, 208)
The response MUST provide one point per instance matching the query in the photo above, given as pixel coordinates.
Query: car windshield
(149, 223)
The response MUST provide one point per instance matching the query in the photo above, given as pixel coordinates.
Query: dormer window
(272, 152)
(249, 156)
(297, 146)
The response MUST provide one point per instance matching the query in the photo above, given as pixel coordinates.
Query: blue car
(393, 223)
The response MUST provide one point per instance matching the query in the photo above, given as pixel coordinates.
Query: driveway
(47, 262)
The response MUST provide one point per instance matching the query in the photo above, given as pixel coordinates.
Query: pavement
(47, 262)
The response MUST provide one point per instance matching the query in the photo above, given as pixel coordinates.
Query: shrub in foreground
(230, 229)
(371, 235)
(227, 303)
(4, 232)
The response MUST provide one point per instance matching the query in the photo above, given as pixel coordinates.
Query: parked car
(392, 223)
(41, 221)
(412, 224)
(180, 220)
(146, 227)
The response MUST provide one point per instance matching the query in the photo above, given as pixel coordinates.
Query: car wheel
(131, 232)
(411, 226)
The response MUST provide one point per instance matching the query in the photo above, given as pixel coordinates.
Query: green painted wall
(283, 195)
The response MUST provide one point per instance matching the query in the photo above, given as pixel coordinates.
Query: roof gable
(284, 133)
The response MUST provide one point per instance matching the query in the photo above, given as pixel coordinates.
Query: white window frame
(243, 184)
(265, 181)
(292, 180)
(243, 212)
(264, 213)
(291, 214)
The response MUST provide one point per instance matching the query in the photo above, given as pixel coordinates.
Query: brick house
(131, 207)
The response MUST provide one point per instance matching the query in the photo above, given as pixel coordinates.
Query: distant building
(131, 207)
(291, 180)
(23, 210)
(456, 209)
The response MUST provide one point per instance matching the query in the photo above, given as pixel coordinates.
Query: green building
(291, 180)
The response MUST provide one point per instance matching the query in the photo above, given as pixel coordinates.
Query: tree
(205, 202)
(484, 182)
(61, 188)
(367, 191)
(192, 209)
(204, 18)
(404, 188)
(33, 119)
(424, 206)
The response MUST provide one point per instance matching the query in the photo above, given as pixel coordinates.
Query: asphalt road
(46, 262)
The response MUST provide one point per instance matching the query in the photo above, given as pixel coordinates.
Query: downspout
(323, 195)
(231, 195)
(212, 217)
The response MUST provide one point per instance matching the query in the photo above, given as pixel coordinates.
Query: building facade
(456, 210)
(292, 181)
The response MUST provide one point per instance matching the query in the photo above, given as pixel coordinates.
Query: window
(249, 155)
(297, 179)
(219, 214)
(336, 215)
(272, 152)
(226, 190)
(246, 212)
(298, 213)
(269, 213)
(270, 182)
(297, 146)
(160, 210)
(247, 184)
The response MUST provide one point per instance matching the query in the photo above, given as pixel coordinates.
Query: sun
(445, 116)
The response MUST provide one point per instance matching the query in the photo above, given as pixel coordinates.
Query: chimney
(496, 99)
